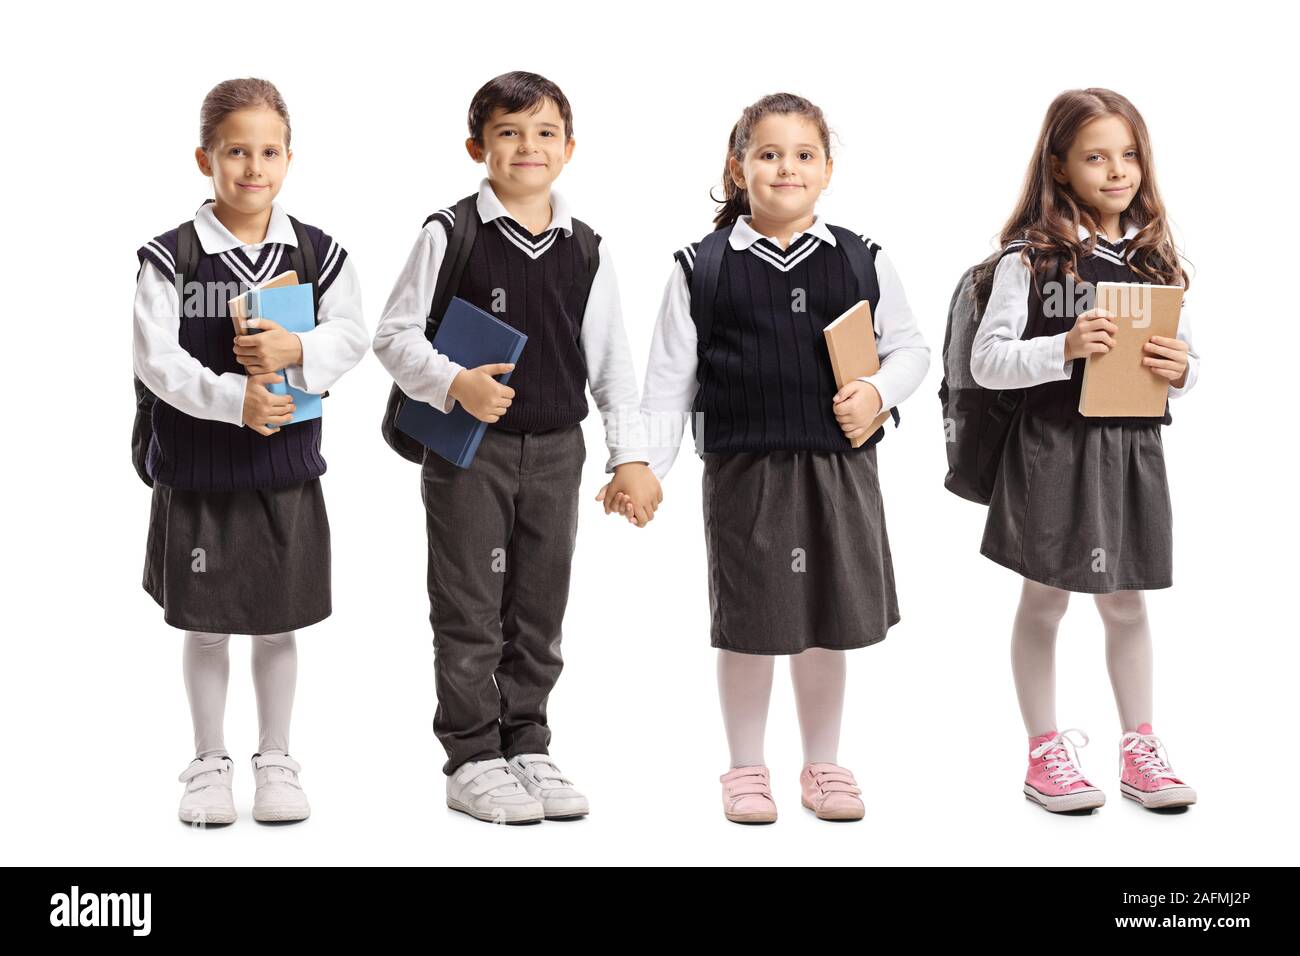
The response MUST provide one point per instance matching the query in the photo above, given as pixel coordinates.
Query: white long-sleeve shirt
(1000, 358)
(671, 384)
(425, 374)
(334, 346)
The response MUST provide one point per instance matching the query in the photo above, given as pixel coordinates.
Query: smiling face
(785, 167)
(248, 160)
(524, 152)
(1102, 168)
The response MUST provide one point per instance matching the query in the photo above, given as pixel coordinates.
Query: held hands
(264, 408)
(480, 394)
(856, 406)
(269, 350)
(1094, 333)
(633, 492)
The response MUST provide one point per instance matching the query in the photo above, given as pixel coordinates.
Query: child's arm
(421, 371)
(999, 357)
(904, 356)
(339, 339)
(670, 383)
(166, 369)
(634, 492)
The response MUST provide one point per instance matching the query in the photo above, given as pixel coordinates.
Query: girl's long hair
(1048, 214)
(735, 201)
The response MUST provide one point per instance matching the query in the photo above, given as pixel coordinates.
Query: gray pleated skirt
(798, 554)
(239, 562)
(1082, 506)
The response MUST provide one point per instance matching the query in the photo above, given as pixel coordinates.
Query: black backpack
(463, 232)
(188, 252)
(976, 420)
(708, 267)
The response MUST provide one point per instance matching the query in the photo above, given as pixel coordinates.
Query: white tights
(745, 686)
(1033, 654)
(207, 672)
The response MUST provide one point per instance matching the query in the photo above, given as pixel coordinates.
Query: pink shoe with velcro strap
(831, 792)
(747, 795)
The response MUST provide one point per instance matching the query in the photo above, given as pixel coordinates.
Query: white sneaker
(279, 795)
(208, 797)
(538, 774)
(487, 791)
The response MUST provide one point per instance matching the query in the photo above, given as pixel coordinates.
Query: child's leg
(1033, 654)
(206, 664)
(744, 688)
(818, 676)
(1128, 654)
(537, 584)
(275, 675)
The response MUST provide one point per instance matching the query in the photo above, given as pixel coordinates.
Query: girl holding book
(238, 536)
(1082, 504)
(798, 555)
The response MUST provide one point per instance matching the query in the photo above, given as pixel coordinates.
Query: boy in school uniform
(501, 532)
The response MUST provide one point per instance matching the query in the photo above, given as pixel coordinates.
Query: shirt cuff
(627, 455)
(229, 406)
(1055, 367)
(440, 399)
(873, 381)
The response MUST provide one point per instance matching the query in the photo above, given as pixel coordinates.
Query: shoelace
(1146, 750)
(1061, 757)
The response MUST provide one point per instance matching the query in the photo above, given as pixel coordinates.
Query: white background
(936, 112)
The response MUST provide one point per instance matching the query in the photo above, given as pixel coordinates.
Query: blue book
(292, 307)
(470, 337)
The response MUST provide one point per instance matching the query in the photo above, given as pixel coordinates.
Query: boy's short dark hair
(516, 92)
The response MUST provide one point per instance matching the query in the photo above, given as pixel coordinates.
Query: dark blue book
(470, 337)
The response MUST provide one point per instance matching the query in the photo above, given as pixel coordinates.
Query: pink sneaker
(1054, 780)
(747, 795)
(831, 792)
(1144, 774)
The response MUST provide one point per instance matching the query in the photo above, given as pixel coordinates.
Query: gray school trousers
(501, 536)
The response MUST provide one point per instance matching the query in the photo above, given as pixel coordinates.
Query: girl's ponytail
(735, 201)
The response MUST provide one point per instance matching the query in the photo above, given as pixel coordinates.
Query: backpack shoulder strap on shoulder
(303, 258)
(705, 272)
(862, 258)
(188, 251)
(460, 240)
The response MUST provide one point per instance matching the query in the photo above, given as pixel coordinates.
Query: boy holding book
(501, 532)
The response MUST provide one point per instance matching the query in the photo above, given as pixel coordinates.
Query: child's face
(523, 152)
(1102, 168)
(249, 160)
(785, 167)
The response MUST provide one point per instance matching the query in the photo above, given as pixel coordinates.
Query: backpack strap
(303, 259)
(705, 272)
(589, 247)
(188, 251)
(862, 260)
(459, 243)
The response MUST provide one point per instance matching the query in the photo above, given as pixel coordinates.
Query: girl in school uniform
(798, 555)
(1082, 504)
(238, 535)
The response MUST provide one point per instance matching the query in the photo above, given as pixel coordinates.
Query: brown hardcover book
(1116, 382)
(852, 347)
(238, 306)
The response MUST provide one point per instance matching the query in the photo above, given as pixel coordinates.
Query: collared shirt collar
(215, 238)
(1129, 233)
(743, 235)
(490, 207)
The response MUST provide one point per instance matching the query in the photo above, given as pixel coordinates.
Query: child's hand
(856, 406)
(480, 394)
(269, 350)
(1167, 358)
(633, 492)
(263, 407)
(1093, 332)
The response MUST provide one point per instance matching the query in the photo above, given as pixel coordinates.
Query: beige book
(238, 306)
(852, 346)
(1116, 383)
